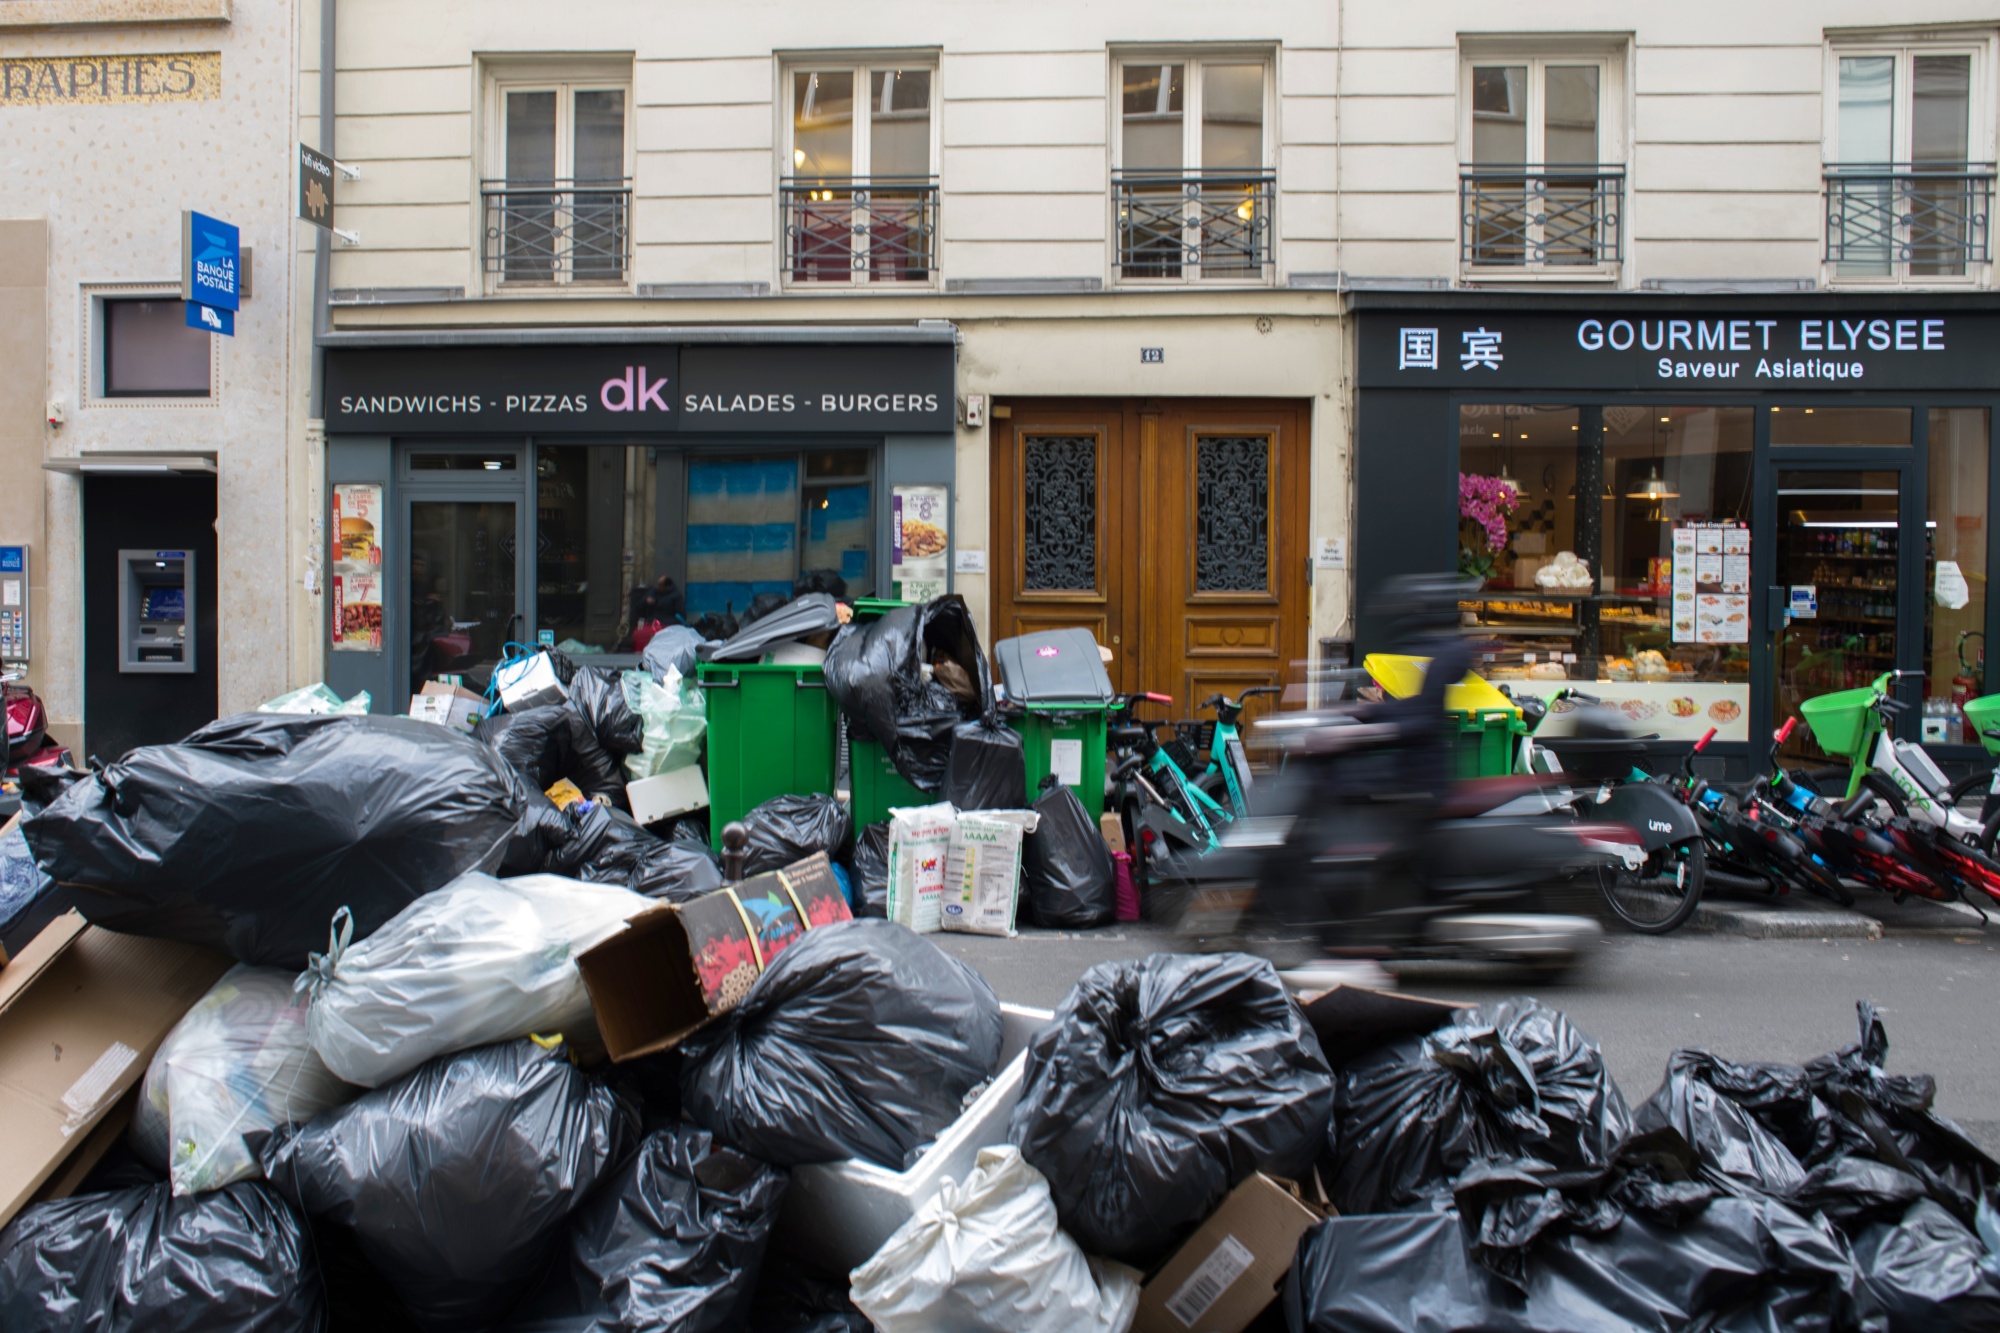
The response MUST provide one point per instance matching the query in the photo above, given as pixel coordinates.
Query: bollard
(735, 850)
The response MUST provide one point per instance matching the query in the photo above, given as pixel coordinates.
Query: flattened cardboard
(81, 1012)
(675, 966)
(1231, 1268)
(1349, 1020)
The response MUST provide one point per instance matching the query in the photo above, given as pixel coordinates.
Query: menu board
(357, 569)
(1711, 583)
(1673, 710)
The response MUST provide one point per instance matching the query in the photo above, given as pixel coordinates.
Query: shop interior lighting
(1653, 488)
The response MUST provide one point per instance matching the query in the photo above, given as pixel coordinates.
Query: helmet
(1422, 605)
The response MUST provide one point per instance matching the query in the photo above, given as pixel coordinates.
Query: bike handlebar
(1785, 732)
(1702, 744)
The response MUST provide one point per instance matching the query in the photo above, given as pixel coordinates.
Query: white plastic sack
(990, 1255)
(317, 700)
(478, 961)
(919, 841)
(236, 1063)
(675, 717)
(528, 682)
(982, 870)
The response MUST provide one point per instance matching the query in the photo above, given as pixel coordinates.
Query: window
(1194, 186)
(1904, 196)
(860, 204)
(1541, 187)
(148, 351)
(1955, 571)
(558, 205)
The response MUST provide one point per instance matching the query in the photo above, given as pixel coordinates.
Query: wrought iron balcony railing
(1194, 224)
(557, 231)
(859, 229)
(1909, 221)
(1541, 217)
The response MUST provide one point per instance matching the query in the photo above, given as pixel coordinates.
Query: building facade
(121, 428)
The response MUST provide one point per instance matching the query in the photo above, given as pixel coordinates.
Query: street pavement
(1935, 977)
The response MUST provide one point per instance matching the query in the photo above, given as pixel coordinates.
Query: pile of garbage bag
(907, 680)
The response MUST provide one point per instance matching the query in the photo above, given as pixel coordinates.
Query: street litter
(238, 1063)
(598, 695)
(919, 841)
(447, 705)
(982, 870)
(549, 743)
(988, 1254)
(1067, 874)
(907, 679)
(988, 768)
(673, 722)
(785, 829)
(456, 1180)
(870, 868)
(479, 961)
(861, 1040)
(1163, 1084)
(317, 700)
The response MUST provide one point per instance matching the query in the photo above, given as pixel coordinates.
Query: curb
(1752, 921)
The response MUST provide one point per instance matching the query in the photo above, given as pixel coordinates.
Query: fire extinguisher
(1968, 683)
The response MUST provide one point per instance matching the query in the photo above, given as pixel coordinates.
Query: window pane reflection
(1955, 571)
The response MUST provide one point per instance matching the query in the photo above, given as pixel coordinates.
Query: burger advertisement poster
(357, 568)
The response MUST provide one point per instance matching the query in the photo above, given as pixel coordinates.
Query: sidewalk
(1802, 916)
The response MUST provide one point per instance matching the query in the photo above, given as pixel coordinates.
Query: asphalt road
(1745, 999)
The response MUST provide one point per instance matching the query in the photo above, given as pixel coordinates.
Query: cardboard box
(1230, 1269)
(1349, 1020)
(664, 795)
(81, 1012)
(448, 705)
(675, 966)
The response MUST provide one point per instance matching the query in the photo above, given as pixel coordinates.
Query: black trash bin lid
(1054, 666)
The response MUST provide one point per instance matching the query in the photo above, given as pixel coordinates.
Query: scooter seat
(1469, 800)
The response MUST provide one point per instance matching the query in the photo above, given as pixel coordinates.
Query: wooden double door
(1174, 530)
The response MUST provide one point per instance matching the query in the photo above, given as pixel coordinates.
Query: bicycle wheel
(1662, 894)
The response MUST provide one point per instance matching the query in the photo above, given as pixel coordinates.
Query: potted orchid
(1483, 506)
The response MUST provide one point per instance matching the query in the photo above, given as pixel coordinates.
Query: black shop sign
(1626, 348)
(618, 389)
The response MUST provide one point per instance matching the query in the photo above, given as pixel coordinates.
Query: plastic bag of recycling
(989, 1254)
(871, 871)
(1161, 1085)
(674, 1241)
(1738, 1265)
(799, 618)
(22, 882)
(550, 743)
(676, 647)
(317, 700)
(988, 768)
(237, 1063)
(1506, 1080)
(234, 1260)
(457, 1179)
(674, 721)
(877, 675)
(1925, 1269)
(250, 834)
(481, 960)
(1067, 874)
(598, 694)
(861, 1040)
(785, 829)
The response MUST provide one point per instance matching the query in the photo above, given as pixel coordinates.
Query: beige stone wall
(106, 184)
(24, 272)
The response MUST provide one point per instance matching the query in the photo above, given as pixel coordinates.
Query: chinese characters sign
(357, 569)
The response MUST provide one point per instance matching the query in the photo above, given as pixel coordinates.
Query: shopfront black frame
(1407, 464)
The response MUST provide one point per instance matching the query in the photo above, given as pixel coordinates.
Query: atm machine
(13, 606)
(156, 612)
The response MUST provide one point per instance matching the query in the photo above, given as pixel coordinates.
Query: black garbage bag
(871, 871)
(1161, 1085)
(820, 580)
(1737, 1265)
(763, 604)
(875, 672)
(1925, 1270)
(229, 1260)
(794, 1298)
(250, 834)
(674, 1241)
(1068, 878)
(1507, 1080)
(599, 695)
(988, 768)
(799, 618)
(456, 1179)
(612, 848)
(675, 646)
(785, 829)
(1737, 1153)
(553, 742)
(861, 1040)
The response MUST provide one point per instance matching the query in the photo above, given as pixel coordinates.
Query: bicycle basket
(1186, 756)
(1982, 713)
(1839, 721)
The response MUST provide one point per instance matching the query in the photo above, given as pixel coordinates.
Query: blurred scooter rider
(1423, 612)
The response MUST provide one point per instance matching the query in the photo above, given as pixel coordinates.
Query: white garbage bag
(478, 961)
(674, 714)
(236, 1063)
(989, 1254)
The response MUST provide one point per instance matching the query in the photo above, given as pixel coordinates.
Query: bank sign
(1761, 351)
(642, 389)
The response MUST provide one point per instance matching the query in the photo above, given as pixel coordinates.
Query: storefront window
(627, 536)
(1583, 588)
(1869, 427)
(1955, 571)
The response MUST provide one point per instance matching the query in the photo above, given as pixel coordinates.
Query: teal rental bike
(1226, 777)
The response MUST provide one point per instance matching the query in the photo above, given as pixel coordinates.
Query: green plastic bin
(874, 608)
(874, 785)
(1484, 745)
(772, 731)
(1042, 726)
